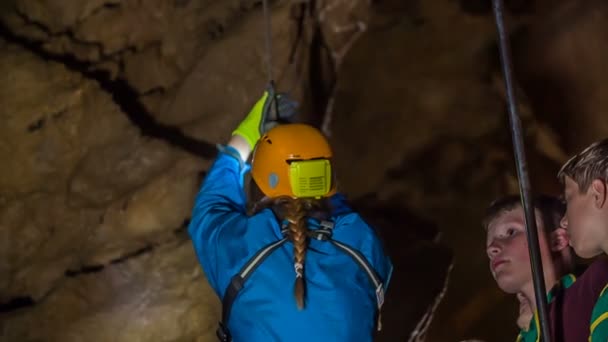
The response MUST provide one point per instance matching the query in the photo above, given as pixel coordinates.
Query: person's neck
(528, 291)
(604, 244)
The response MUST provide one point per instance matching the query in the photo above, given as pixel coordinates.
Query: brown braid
(295, 211)
(296, 216)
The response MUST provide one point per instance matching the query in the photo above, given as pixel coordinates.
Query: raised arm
(219, 216)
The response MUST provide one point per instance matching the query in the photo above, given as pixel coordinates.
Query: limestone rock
(162, 205)
(226, 104)
(110, 123)
(42, 237)
(111, 171)
(42, 109)
(445, 98)
(560, 64)
(60, 16)
(157, 296)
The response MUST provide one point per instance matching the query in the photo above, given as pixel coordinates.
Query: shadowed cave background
(111, 110)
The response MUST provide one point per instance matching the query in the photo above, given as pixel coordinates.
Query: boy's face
(507, 248)
(583, 220)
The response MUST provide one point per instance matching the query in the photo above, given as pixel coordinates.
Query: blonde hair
(586, 166)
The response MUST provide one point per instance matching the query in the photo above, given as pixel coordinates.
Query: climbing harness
(522, 175)
(322, 233)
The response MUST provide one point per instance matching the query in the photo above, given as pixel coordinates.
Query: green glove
(269, 111)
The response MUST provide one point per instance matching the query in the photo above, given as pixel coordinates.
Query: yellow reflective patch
(537, 325)
(310, 178)
(604, 290)
(598, 321)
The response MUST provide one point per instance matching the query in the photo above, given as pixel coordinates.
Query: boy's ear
(559, 239)
(598, 188)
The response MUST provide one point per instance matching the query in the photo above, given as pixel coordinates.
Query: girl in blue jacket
(302, 239)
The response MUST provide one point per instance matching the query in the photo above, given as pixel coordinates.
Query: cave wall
(111, 112)
(421, 108)
(112, 109)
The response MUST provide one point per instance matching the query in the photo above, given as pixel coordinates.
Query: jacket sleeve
(219, 205)
(375, 252)
(373, 249)
(383, 264)
(380, 260)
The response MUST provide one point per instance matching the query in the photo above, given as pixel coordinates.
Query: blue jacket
(340, 302)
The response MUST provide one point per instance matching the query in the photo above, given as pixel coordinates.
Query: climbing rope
(268, 37)
(522, 174)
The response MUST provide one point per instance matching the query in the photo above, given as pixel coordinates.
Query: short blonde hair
(586, 166)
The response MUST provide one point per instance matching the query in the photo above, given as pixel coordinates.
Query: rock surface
(111, 110)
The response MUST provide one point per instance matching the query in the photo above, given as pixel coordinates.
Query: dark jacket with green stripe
(578, 308)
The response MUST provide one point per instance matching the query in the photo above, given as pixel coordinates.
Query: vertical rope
(268, 37)
(522, 174)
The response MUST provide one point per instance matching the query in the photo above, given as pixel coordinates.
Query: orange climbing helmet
(293, 160)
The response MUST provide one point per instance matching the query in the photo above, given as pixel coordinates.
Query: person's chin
(585, 250)
(506, 284)
(588, 253)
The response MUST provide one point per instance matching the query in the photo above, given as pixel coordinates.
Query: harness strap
(371, 273)
(236, 284)
(323, 233)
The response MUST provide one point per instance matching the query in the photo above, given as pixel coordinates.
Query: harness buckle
(324, 232)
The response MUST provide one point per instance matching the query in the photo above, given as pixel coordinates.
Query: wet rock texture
(111, 110)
